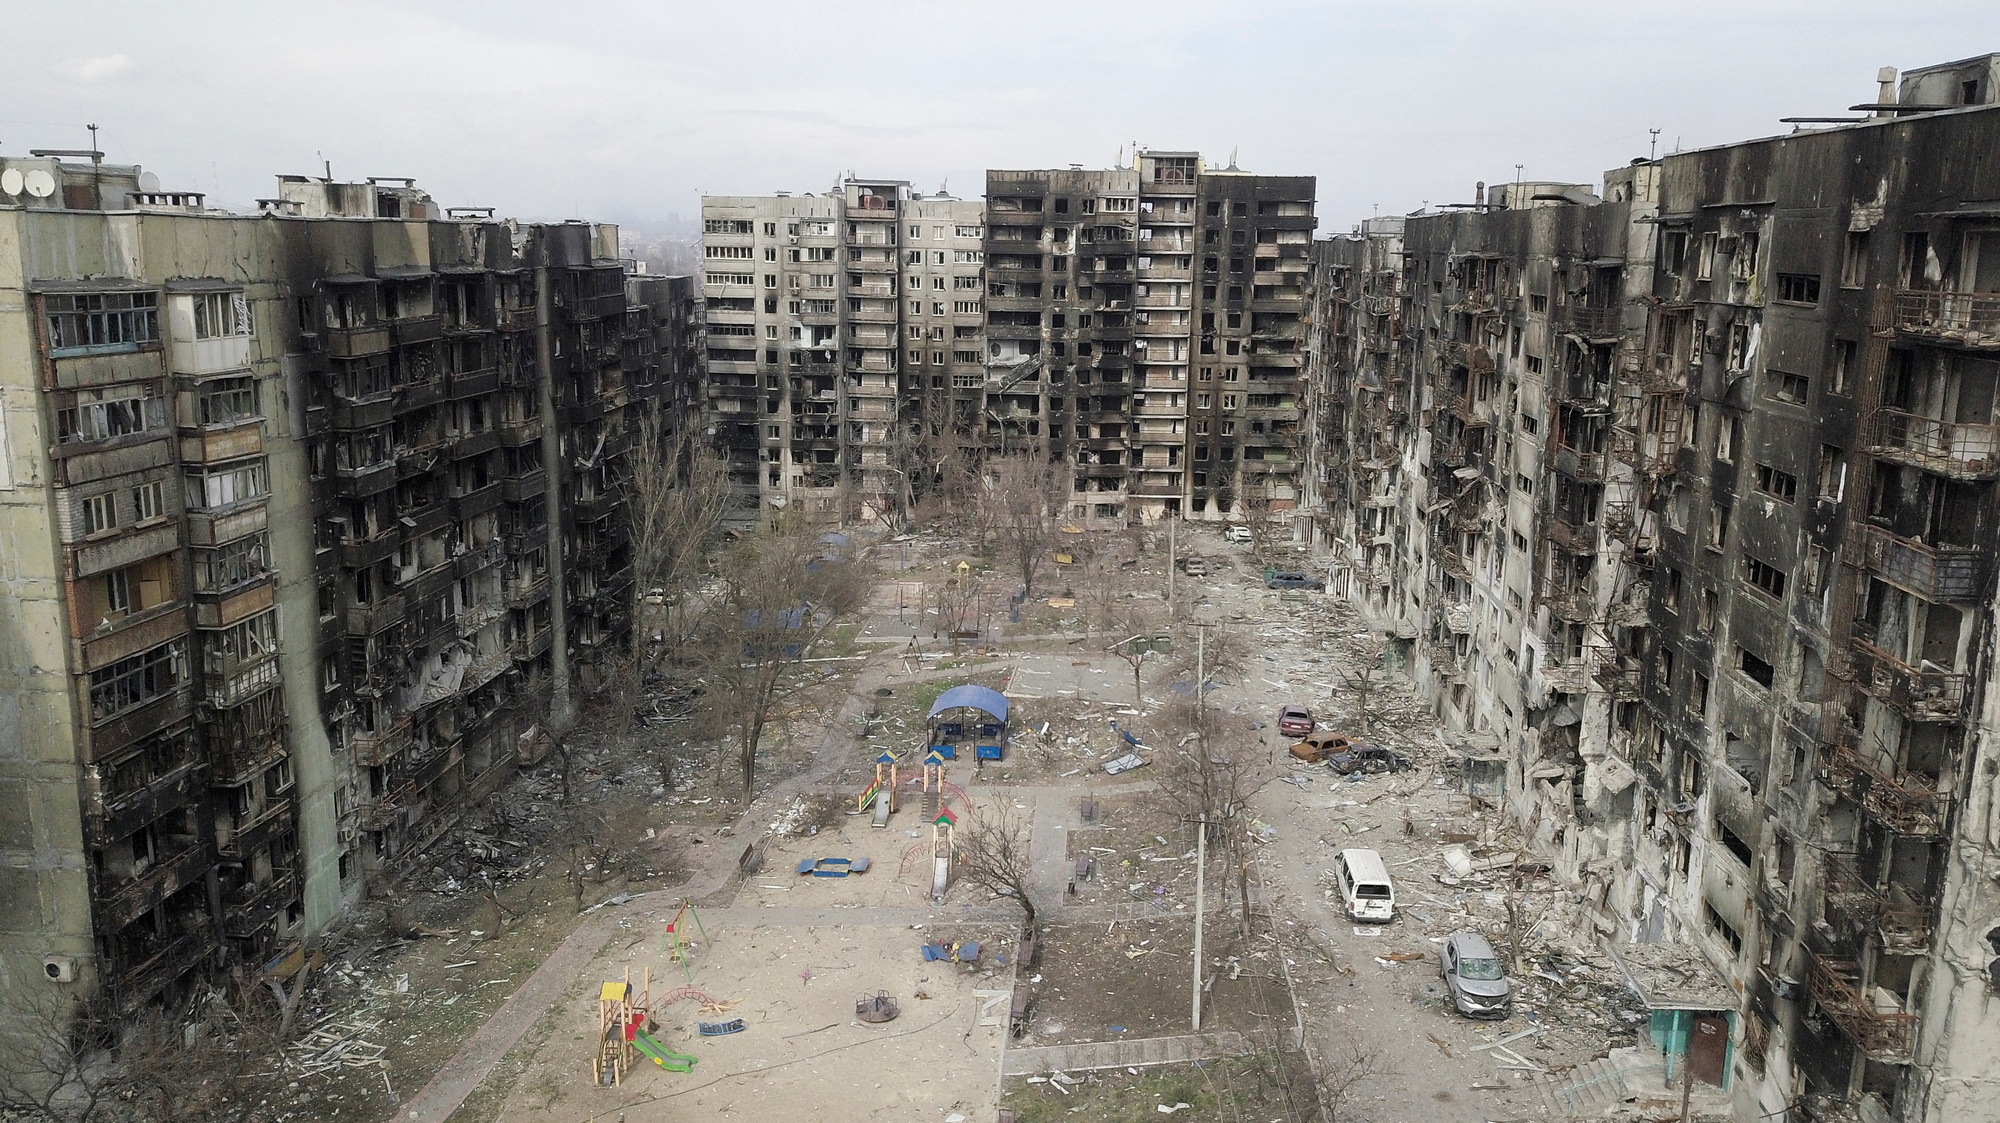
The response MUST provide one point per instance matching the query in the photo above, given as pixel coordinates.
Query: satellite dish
(40, 183)
(10, 182)
(148, 182)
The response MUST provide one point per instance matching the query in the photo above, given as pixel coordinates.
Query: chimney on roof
(1885, 93)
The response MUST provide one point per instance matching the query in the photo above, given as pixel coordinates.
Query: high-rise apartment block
(1139, 325)
(826, 314)
(1677, 499)
(311, 518)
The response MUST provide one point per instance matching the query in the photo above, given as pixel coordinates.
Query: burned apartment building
(312, 517)
(1141, 326)
(1677, 499)
(837, 325)
(1145, 326)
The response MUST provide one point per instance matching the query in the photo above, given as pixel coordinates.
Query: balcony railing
(1579, 465)
(1935, 573)
(1920, 695)
(1886, 1036)
(1614, 670)
(1960, 449)
(1576, 537)
(1594, 323)
(1966, 319)
(1909, 805)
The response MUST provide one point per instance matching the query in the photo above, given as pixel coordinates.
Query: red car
(1295, 721)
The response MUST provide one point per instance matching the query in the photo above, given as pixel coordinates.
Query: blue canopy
(977, 697)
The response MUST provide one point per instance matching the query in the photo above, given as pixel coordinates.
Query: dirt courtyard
(794, 982)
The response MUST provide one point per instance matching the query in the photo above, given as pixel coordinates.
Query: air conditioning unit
(59, 968)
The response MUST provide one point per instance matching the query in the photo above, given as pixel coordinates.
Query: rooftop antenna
(1121, 157)
(1654, 152)
(96, 164)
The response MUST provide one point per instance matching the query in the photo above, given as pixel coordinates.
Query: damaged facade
(837, 323)
(1139, 325)
(1680, 495)
(297, 506)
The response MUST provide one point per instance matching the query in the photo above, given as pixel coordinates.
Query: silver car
(1472, 972)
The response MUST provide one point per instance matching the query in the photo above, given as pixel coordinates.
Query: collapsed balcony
(1928, 694)
(1883, 1032)
(1907, 804)
(1900, 921)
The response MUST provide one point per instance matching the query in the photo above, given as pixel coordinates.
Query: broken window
(1764, 576)
(1798, 288)
(1758, 671)
(1854, 260)
(1782, 486)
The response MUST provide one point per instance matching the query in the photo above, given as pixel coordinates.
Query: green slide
(673, 1062)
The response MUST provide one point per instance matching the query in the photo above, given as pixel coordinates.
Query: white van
(1365, 889)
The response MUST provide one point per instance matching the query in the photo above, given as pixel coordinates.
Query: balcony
(127, 811)
(376, 616)
(1444, 660)
(1909, 805)
(1593, 323)
(1930, 694)
(365, 480)
(524, 487)
(1888, 1036)
(1575, 537)
(123, 904)
(1615, 671)
(1935, 573)
(361, 553)
(1960, 450)
(250, 908)
(234, 840)
(143, 981)
(472, 384)
(517, 434)
(1579, 465)
(1960, 319)
(520, 594)
(477, 501)
(1901, 922)
(350, 343)
(418, 329)
(383, 746)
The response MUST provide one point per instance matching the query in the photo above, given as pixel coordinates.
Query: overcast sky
(628, 111)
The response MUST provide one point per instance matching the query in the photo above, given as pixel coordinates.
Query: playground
(787, 995)
(796, 993)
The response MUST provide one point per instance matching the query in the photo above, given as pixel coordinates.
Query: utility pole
(1173, 563)
(1200, 868)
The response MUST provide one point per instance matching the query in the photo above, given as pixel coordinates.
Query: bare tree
(1346, 1069)
(782, 588)
(1365, 678)
(67, 1061)
(992, 852)
(1199, 766)
(1025, 497)
(678, 494)
(56, 1063)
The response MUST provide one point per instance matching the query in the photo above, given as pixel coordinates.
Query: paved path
(1087, 1055)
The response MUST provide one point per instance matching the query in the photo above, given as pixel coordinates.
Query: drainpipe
(561, 713)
